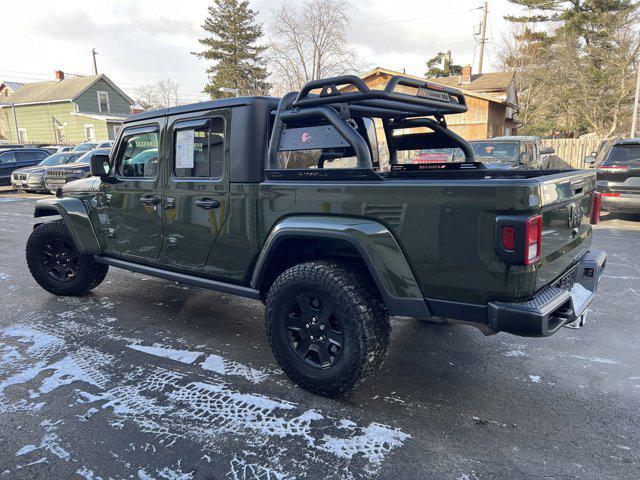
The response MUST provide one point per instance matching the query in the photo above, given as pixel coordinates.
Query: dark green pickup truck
(302, 203)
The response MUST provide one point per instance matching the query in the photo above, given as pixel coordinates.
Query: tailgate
(622, 180)
(566, 227)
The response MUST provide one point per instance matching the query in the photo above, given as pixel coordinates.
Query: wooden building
(491, 98)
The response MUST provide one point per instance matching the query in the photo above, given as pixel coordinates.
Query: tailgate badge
(575, 215)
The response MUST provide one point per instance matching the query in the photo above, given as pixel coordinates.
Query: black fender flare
(377, 246)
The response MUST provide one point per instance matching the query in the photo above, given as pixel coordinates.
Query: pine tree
(232, 45)
(442, 66)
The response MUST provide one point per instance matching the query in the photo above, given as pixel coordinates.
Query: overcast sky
(143, 41)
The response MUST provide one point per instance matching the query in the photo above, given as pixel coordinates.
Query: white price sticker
(184, 148)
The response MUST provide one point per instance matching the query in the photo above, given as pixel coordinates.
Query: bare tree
(567, 84)
(309, 41)
(164, 94)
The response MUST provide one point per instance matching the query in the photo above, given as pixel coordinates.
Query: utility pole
(483, 34)
(634, 123)
(95, 65)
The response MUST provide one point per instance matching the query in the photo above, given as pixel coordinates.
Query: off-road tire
(363, 316)
(90, 273)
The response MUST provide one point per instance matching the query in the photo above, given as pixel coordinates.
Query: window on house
(89, 132)
(103, 101)
(22, 135)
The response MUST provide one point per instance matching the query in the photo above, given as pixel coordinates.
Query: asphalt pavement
(144, 378)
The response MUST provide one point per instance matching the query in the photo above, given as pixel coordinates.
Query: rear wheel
(56, 264)
(327, 326)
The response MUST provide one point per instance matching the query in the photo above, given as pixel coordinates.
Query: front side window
(199, 152)
(139, 155)
(7, 157)
(103, 101)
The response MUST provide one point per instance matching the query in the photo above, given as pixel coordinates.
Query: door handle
(207, 203)
(150, 200)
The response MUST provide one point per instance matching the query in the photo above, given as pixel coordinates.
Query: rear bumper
(554, 306)
(626, 202)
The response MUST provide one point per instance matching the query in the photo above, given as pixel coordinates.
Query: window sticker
(184, 148)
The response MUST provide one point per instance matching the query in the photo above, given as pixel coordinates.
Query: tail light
(519, 239)
(596, 206)
(534, 240)
(509, 238)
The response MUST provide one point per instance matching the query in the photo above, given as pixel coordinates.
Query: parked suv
(57, 176)
(619, 176)
(283, 200)
(14, 158)
(31, 179)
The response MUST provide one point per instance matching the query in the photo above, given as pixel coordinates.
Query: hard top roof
(200, 106)
(627, 141)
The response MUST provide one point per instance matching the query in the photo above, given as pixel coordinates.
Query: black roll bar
(433, 125)
(392, 106)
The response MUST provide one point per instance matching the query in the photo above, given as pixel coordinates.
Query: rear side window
(199, 152)
(139, 155)
(25, 156)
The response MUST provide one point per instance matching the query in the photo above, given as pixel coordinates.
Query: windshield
(85, 147)
(623, 155)
(57, 159)
(495, 152)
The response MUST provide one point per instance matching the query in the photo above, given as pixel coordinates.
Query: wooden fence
(572, 150)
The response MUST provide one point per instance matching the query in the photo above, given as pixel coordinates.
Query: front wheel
(56, 264)
(327, 327)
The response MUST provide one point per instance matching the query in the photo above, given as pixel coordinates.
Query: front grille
(57, 173)
(567, 280)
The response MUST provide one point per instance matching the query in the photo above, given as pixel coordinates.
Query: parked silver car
(31, 179)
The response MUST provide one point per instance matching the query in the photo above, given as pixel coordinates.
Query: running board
(180, 277)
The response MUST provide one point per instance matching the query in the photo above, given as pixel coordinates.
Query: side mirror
(591, 159)
(100, 165)
(547, 151)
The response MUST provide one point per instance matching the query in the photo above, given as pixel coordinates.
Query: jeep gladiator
(285, 201)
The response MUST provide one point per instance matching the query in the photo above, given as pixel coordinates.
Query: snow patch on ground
(243, 470)
(217, 364)
(515, 353)
(183, 356)
(375, 441)
(4, 276)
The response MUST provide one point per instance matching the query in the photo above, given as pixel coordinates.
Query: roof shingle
(493, 82)
(52, 91)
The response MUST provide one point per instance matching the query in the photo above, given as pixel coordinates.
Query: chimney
(59, 75)
(466, 74)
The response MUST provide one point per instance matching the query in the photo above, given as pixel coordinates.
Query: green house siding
(88, 101)
(40, 122)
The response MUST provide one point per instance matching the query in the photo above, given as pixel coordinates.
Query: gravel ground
(145, 378)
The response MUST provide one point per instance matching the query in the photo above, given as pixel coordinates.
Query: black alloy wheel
(60, 260)
(315, 333)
